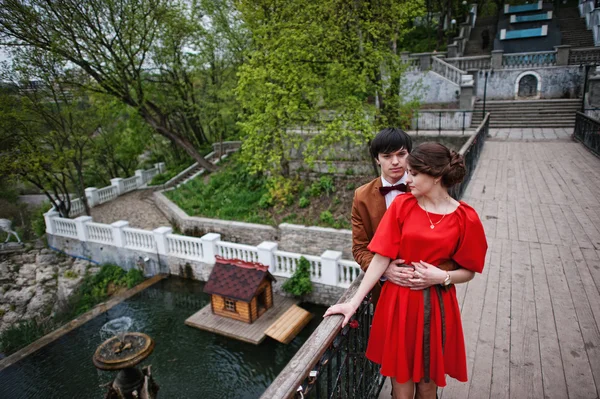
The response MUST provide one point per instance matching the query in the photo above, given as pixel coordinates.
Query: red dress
(397, 333)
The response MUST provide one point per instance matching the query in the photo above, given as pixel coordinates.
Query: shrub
(299, 284)
(71, 274)
(304, 202)
(327, 217)
(22, 334)
(38, 224)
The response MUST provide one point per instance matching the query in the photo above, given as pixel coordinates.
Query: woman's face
(419, 183)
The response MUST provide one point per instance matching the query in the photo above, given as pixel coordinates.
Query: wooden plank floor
(253, 333)
(531, 320)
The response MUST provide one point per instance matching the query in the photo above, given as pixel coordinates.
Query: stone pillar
(118, 233)
(209, 247)
(404, 56)
(118, 183)
(452, 50)
(425, 61)
(92, 196)
(497, 59)
(160, 166)
(330, 271)
(265, 254)
(140, 177)
(80, 225)
(562, 54)
(467, 89)
(160, 236)
(467, 30)
(593, 94)
(48, 216)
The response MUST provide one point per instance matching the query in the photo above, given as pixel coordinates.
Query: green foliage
(70, 274)
(22, 334)
(38, 223)
(303, 202)
(231, 193)
(324, 185)
(327, 218)
(350, 186)
(299, 284)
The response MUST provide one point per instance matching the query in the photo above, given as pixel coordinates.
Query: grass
(94, 289)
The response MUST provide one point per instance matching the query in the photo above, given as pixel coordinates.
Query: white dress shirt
(389, 197)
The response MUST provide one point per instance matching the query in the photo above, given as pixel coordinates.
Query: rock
(41, 303)
(94, 270)
(46, 259)
(9, 319)
(19, 298)
(21, 281)
(46, 274)
(5, 271)
(28, 271)
(66, 286)
(81, 266)
(27, 258)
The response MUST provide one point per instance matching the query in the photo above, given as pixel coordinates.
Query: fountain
(123, 351)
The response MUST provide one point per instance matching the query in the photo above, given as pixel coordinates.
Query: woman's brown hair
(436, 160)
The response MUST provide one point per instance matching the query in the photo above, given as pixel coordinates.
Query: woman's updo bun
(436, 160)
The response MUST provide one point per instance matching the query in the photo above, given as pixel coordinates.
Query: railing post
(140, 177)
(330, 271)
(92, 196)
(562, 54)
(80, 225)
(118, 183)
(497, 59)
(118, 233)
(209, 247)
(452, 50)
(593, 98)
(467, 86)
(266, 250)
(440, 123)
(48, 218)
(425, 61)
(160, 236)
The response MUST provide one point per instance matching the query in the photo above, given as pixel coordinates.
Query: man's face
(393, 165)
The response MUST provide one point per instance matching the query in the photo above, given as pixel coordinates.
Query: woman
(416, 334)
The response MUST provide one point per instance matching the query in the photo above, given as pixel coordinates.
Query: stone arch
(528, 85)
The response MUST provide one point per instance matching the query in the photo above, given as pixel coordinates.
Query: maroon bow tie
(386, 189)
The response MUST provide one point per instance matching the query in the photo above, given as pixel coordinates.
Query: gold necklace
(431, 224)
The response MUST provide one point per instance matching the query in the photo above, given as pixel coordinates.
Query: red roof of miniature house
(236, 279)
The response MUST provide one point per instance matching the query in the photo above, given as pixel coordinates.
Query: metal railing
(587, 132)
(579, 56)
(471, 152)
(528, 60)
(332, 362)
(442, 119)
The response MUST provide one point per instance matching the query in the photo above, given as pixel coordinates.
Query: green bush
(303, 202)
(299, 284)
(38, 223)
(22, 334)
(71, 274)
(327, 217)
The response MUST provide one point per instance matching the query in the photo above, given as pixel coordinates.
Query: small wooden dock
(289, 324)
(252, 333)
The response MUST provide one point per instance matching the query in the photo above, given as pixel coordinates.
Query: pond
(186, 362)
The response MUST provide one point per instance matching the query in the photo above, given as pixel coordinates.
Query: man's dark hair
(389, 140)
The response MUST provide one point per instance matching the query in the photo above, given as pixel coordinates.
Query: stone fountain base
(148, 390)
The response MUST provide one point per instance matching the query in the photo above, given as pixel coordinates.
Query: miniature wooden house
(240, 290)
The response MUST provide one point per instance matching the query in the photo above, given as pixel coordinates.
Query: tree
(138, 51)
(299, 284)
(329, 66)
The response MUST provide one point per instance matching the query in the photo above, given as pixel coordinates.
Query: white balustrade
(130, 184)
(99, 232)
(149, 174)
(139, 239)
(448, 71)
(348, 270)
(106, 194)
(185, 247)
(287, 262)
(466, 63)
(77, 207)
(64, 227)
(230, 250)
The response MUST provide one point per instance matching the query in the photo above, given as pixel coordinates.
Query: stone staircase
(528, 113)
(474, 44)
(573, 28)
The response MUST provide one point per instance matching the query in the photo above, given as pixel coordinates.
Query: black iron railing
(587, 132)
(471, 152)
(332, 362)
(440, 120)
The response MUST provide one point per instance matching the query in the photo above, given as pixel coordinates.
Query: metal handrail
(587, 132)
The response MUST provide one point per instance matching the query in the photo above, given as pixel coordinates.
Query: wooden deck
(531, 320)
(286, 327)
(253, 333)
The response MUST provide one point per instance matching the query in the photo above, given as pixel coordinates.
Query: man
(389, 149)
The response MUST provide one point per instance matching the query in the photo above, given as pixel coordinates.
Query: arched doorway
(528, 86)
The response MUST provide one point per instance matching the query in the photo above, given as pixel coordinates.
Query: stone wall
(312, 240)
(33, 284)
(430, 88)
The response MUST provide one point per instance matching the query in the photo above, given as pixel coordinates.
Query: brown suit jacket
(368, 208)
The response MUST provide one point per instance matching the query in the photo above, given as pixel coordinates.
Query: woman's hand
(345, 309)
(426, 275)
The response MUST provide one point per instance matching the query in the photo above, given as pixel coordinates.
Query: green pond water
(186, 362)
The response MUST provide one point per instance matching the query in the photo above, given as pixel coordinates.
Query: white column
(140, 177)
(329, 267)
(48, 216)
(209, 247)
(118, 183)
(80, 225)
(92, 196)
(160, 236)
(265, 254)
(118, 233)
